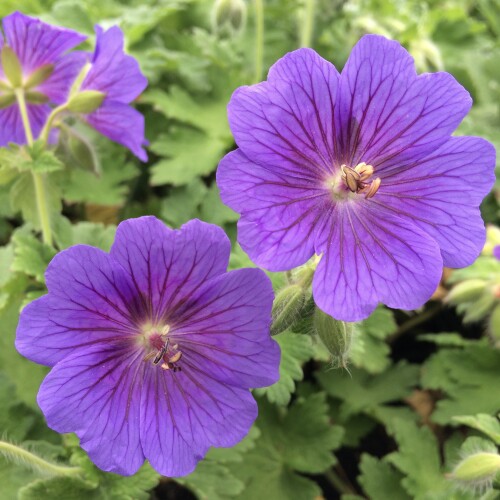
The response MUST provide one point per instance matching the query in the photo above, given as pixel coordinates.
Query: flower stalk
(307, 23)
(38, 464)
(38, 179)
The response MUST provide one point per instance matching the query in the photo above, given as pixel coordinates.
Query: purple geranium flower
(360, 168)
(119, 77)
(154, 346)
(47, 72)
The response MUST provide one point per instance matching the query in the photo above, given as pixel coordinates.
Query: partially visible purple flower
(119, 77)
(154, 346)
(40, 48)
(361, 169)
(496, 252)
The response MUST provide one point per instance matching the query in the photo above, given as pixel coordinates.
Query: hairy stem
(38, 179)
(338, 483)
(29, 460)
(259, 39)
(44, 134)
(307, 21)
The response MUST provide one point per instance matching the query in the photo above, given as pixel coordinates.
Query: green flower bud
(86, 101)
(39, 76)
(229, 14)
(466, 291)
(480, 308)
(12, 67)
(287, 308)
(335, 335)
(478, 469)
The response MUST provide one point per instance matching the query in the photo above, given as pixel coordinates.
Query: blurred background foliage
(423, 388)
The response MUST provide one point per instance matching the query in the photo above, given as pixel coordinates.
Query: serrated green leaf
(363, 393)
(296, 349)
(468, 376)
(69, 488)
(379, 480)
(183, 203)
(213, 210)
(189, 153)
(23, 197)
(299, 439)
(31, 256)
(487, 424)
(418, 458)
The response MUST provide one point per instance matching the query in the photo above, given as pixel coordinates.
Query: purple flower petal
(95, 393)
(237, 350)
(11, 125)
(496, 252)
(66, 69)
(36, 43)
(196, 411)
(386, 115)
(436, 194)
(120, 123)
(113, 72)
(280, 212)
(168, 266)
(369, 257)
(287, 121)
(90, 301)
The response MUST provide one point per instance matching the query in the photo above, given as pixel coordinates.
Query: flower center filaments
(161, 349)
(357, 179)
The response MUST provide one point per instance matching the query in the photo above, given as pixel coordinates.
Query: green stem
(307, 23)
(38, 179)
(44, 134)
(34, 462)
(338, 483)
(259, 39)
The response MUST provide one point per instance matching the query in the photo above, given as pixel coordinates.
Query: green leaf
(379, 480)
(370, 350)
(87, 233)
(69, 488)
(213, 210)
(298, 439)
(45, 161)
(31, 256)
(23, 197)
(485, 423)
(418, 458)
(183, 203)
(364, 393)
(190, 154)
(468, 376)
(296, 349)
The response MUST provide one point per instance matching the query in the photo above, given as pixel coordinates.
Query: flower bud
(335, 335)
(86, 101)
(12, 67)
(477, 469)
(480, 308)
(229, 14)
(287, 308)
(466, 291)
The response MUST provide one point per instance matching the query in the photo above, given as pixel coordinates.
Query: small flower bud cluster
(476, 290)
(229, 16)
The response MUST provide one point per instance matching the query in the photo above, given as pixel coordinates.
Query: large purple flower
(154, 346)
(360, 168)
(47, 72)
(119, 77)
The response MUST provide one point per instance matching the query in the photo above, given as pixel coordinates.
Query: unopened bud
(478, 469)
(229, 14)
(287, 308)
(480, 308)
(335, 335)
(12, 67)
(86, 101)
(466, 291)
(39, 76)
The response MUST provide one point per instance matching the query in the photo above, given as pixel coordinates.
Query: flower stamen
(356, 179)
